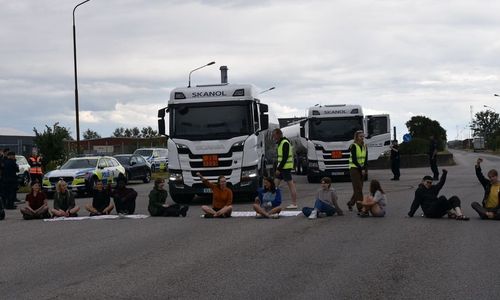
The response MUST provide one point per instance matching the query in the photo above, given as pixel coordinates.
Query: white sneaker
(274, 216)
(292, 206)
(313, 215)
(322, 215)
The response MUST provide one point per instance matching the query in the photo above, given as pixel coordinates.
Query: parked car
(136, 167)
(81, 173)
(156, 157)
(23, 176)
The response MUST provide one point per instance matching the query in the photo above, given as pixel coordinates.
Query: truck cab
(217, 130)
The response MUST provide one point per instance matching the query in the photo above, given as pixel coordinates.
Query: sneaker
(259, 216)
(292, 206)
(183, 211)
(313, 215)
(322, 215)
(121, 216)
(274, 216)
(364, 215)
(207, 216)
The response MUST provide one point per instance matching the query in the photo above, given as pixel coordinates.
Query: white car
(23, 176)
(156, 157)
(81, 173)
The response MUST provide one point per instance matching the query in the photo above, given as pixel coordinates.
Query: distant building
(115, 145)
(20, 144)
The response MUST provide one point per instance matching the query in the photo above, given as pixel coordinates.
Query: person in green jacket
(64, 201)
(158, 206)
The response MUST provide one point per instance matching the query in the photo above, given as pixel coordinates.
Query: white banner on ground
(102, 217)
(285, 213)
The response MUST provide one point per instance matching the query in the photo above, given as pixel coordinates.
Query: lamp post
(269, 89)
(76, 81)
(209, 64)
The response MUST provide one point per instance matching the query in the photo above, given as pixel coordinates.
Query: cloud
(398, 57)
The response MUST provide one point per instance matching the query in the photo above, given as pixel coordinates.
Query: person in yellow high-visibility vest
(285, 165)
(358, 168)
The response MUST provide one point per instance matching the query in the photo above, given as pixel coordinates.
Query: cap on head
(427, 177)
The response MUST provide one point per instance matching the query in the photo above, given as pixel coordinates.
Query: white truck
(321, 140)
(220, 129)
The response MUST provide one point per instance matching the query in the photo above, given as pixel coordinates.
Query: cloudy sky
(434, 58)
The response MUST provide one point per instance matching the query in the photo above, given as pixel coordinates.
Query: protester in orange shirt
(222, 198)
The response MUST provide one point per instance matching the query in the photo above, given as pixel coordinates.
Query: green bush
(415, 146)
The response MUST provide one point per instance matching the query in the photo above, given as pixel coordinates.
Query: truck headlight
(175, 176)
(249, 173)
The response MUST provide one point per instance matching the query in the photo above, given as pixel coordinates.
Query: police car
(81, 173)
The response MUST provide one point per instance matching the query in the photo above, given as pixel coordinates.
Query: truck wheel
(312, 179)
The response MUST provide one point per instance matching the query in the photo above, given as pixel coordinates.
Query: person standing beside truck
(285, 165)
(395, 160)
(433, 157)
(358, 169)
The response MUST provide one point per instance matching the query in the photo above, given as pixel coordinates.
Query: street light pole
(269, 89)
(76, 82)
(209, 64)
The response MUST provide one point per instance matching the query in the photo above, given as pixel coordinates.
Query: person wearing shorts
(285, 165)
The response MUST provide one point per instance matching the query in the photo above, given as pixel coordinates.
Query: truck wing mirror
(264, 122)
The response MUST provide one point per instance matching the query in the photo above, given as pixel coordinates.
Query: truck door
(378, 135)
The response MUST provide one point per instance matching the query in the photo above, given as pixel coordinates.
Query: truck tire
(312, 178)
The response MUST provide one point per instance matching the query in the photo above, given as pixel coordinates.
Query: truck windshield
(211, 122)
(335, 129)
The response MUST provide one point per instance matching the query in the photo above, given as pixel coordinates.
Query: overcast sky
(434, 58)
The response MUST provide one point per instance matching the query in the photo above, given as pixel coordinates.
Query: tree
(90, 134)
(119, 132)
(423, 127)
(147, 132)
(486, 124)
(51, 143)
(127, 133)
(135, 132)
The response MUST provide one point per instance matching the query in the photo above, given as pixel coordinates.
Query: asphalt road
(346, 257)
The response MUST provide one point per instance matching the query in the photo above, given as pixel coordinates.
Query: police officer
(285, 165)
(9, 178)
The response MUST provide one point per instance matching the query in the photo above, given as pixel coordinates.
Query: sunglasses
(428, 182)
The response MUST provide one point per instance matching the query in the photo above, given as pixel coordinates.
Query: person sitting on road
(326, 202)
(124, 198)
(101, 200)
(222, 198)
(37, 207)
(375, 202)
(490, 208)
(64, 201)
(268, 200)
(433, 206)
(158, 206)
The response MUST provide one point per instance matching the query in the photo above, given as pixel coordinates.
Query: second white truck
(321, 140)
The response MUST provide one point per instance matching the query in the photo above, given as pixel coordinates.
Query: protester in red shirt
(37, 207)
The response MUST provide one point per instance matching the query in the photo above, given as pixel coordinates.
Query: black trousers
(441, 207)
(123, 207)
(395, 163)
(173, 210)
(434, 167)
(9, 193)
